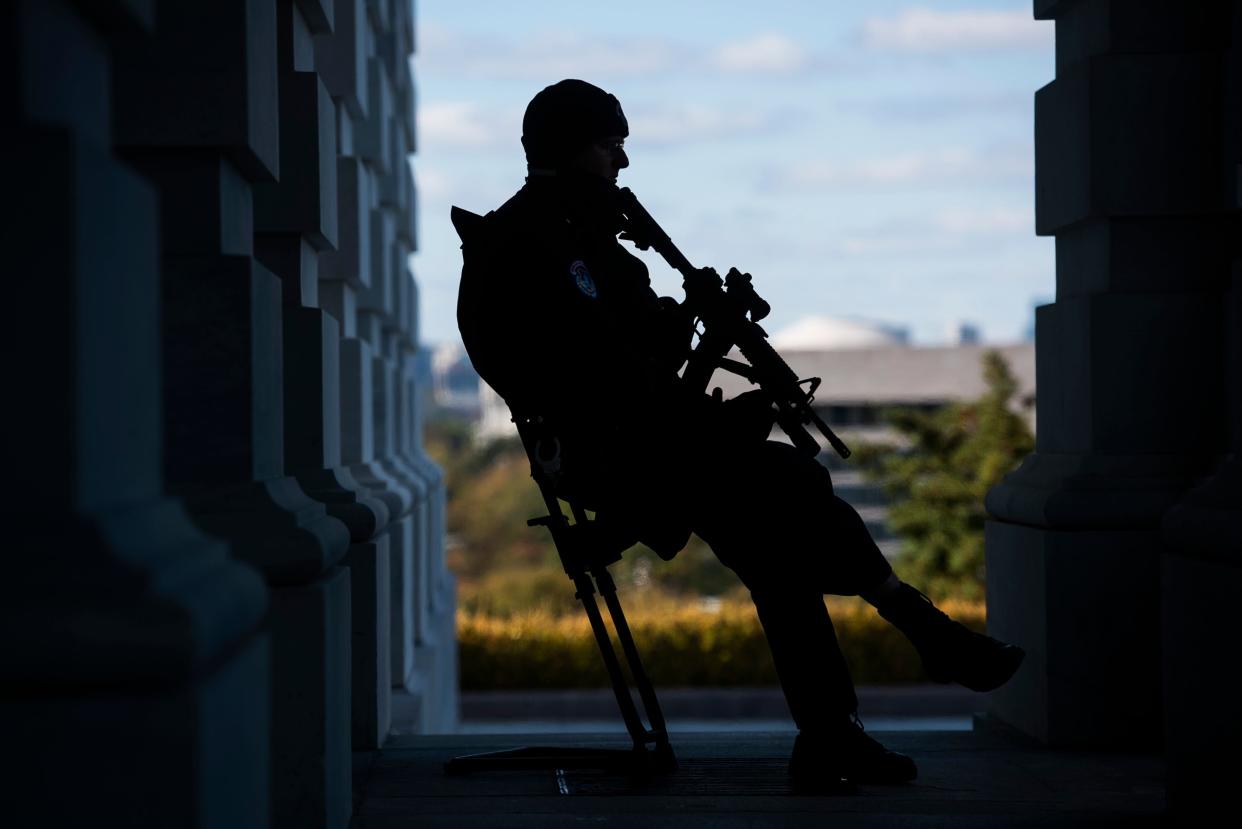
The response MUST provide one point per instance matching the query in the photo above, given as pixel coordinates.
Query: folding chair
(586, 550)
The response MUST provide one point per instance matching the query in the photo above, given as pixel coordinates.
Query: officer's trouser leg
(774, 520)
(808, 659)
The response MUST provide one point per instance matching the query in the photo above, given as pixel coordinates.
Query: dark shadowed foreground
(979, 778)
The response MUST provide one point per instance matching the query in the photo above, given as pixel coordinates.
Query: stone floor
(978, 778)
(914, 707)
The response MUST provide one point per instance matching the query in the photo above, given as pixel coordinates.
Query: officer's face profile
(604, 158)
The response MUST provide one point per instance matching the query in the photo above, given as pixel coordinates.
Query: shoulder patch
(582, 278)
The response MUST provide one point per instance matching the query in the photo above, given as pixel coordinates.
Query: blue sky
(866, 160)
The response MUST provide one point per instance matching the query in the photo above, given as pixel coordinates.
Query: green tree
(490, 496)
(936, 484)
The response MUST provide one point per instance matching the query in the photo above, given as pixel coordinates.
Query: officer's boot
(827, 760)
(950, 651)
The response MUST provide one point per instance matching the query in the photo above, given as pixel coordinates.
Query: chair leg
(646, 691)
(629, 711)
(638, 760)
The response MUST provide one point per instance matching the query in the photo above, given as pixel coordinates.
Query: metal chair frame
(586, 551)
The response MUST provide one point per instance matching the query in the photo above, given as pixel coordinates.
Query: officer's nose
(620, 159)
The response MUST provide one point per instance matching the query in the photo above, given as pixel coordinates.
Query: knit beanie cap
(567, 116)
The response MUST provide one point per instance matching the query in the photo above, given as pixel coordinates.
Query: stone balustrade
(230, 557)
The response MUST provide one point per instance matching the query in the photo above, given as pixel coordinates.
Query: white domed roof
(831, 333)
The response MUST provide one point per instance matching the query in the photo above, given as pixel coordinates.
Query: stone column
(295, 220)
(136, 667)
(199, 112)
(385, 329)
(1129, 363)
(1202, 566)
(376, 301)
(435, 600)
(430, 676)
(348, 280)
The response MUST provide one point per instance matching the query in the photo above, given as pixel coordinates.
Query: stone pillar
(380, 329)
(295, 220)
(1129, 363)
(383, 144)
(429, 681)
(434, 682)
(1202, 566)
(136, 666)
(354, 285)
(205, 109)
(384, 332)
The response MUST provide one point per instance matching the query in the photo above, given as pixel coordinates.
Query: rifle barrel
(658, 239)
(746, 335)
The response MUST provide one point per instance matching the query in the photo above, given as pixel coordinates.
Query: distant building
(458, 390)
(964, 333)
(494, 420)
(865, 369)
(822, 333)
(455, 385)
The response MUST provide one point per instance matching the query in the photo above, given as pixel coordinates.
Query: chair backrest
(543, 450)
(586, 542)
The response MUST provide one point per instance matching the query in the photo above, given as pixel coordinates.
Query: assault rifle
(730, 311)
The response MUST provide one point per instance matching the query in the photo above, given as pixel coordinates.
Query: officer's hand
(706, 278)
(750, 414)
(637, 240)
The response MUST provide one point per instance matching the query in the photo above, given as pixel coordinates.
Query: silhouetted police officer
(562, 322)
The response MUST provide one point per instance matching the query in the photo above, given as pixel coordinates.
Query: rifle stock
(730, 310)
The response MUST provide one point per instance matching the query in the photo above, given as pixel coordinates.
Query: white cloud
(1007, 104)
(546, 56)
(668, 126)
(985, 222)
(552, 54)
(950, 231)
(449, 126)
(433, 184)
(946, 166)
(446, 126)
(896, 244)
(926, 30)
(770, 52)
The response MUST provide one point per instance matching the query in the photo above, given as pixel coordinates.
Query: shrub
(681, 645)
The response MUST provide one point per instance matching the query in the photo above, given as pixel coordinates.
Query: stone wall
(228, 537)
(1114, 548)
